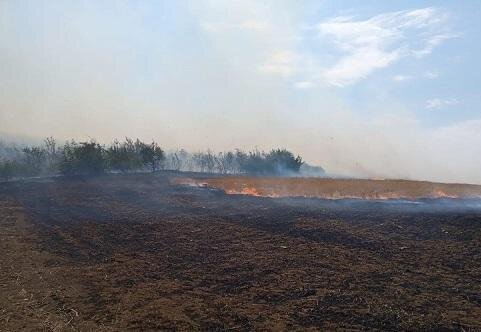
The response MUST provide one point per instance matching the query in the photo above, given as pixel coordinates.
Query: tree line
(91, 158)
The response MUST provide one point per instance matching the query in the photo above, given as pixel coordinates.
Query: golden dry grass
(337, 188)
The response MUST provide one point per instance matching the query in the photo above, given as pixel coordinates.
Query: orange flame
(252, 191)
(442, 194)
(333, 188)
(243, 191)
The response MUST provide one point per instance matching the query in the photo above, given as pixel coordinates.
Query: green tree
(124, 156)
(84, 158)
(152, 155)
(281, 161)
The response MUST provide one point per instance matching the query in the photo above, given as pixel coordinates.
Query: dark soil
(137, 252)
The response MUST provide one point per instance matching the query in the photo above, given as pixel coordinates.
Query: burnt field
(143, 253)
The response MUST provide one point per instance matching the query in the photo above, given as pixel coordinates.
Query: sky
(383, 89)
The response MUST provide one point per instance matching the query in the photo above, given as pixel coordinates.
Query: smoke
(197, 76)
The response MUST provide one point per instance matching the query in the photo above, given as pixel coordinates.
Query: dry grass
(338, 188)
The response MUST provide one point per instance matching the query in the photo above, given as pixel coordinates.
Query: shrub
(254, 163)
(282, 161)
(89, 158)
(53, 155)
(8, 169)
(85, 158)
(34, 160)
(276, 162)
(152, 155)
(125, 156)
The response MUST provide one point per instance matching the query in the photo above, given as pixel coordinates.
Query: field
(336, 188)
(147, 252)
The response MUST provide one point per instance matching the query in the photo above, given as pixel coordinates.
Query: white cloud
(432, 75)
(303, 85)
(438, 103)
(367, 45)
(358, 65)
(248, 25)
(282, 63)
(254, 25)
(352, 49)
(220, 17)
(431, 43)
(401, 78)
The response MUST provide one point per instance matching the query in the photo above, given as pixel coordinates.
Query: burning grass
(336, 188)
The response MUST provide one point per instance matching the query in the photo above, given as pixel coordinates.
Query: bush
(276, 162)
(8, 169)
(152, 155)
(85, 158)
(53, 155)
(281, 161)
(125, 156)
(35, 159)
(90, 158)
(253, 163)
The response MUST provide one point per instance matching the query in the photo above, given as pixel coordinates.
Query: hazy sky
(371, 88)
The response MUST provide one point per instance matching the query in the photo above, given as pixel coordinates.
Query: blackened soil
(137, 252)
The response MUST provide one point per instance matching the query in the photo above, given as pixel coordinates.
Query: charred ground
(137, 252)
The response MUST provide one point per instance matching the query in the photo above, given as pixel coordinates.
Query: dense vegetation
(91, 158)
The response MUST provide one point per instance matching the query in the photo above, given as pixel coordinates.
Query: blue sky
(369, 88)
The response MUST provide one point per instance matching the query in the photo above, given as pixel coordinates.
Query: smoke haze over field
(382, 90)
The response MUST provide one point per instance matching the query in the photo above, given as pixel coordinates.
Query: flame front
(334, 188)
(243, 191)
(252, 191)
(442, 194)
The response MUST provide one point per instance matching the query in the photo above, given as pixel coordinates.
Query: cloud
(248, 25)
(258, 26)
(358, 65)
(432, 75)
(438, 103)
(282, 63)
(303, 85)
(401, 78)
(375, 43)
(352, 49)
(431, 43)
